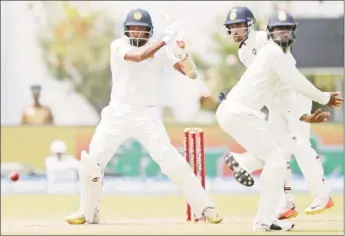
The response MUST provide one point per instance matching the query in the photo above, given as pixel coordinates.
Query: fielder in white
(289, 110)
(239, 115)
(136, 62)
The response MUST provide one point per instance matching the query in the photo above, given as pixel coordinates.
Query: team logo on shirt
(137, 16)
(254, 51)
(282, 15)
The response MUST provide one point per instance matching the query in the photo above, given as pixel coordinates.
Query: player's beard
(138, 42)
(285, 44)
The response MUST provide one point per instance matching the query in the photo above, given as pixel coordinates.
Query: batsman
(136, 63)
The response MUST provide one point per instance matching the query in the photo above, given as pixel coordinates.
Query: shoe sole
(215, 221)
(329, 205)
(289, 215)
(269, 230)
(240, 174)
(78, 221)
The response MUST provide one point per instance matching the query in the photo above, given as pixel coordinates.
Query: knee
(89, 169)
(223, 116)
(277, 159)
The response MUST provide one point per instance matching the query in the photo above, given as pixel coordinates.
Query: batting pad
(91, 188)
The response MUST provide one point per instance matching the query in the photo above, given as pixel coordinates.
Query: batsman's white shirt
(135, 83)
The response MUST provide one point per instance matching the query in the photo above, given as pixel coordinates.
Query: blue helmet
(140, 18)
(238, 15)
(281, 27)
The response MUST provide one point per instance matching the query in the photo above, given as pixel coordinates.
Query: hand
(335, 100)
(316, 117)
(170, 32)
(208, 103)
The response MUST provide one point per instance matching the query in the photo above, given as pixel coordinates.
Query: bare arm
(138, 57)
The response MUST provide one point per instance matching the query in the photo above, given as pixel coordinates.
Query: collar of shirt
(248, 40)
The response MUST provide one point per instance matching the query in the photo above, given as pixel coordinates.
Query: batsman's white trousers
(250, 129)
(120, 122)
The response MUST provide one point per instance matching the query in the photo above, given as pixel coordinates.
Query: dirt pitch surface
(152, 215)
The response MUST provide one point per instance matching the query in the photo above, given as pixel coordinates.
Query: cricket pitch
(154, 215)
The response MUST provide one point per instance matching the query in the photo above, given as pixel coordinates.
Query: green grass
(43, 214)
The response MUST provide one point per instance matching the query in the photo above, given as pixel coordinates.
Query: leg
(311, 167)
(262, 143)
(278, 121)
(249, 161)
(109, 135)
(151, 133)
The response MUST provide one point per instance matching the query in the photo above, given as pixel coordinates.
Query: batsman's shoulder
(118, 42)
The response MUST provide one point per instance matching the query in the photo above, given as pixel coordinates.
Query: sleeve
(119, 50)
(290, 75)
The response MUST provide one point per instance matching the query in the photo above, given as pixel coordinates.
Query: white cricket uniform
(239, 115)
(131, 113)
(285, 110)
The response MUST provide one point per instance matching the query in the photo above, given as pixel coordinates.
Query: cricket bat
(187, 64)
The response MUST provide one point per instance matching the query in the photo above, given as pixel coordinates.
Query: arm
(189, 68)
(140, 56)
(182, 62)
(290, 75)
(178, 67)
(126, 53)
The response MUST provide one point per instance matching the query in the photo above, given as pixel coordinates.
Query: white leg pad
(91, 177)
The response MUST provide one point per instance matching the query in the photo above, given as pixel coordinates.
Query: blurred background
(55, 80)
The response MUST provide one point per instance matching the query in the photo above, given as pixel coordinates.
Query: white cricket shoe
(78, 218)
(275, 226)
(319, 205)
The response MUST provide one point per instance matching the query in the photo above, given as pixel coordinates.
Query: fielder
(293, 115)
(240, 116)
(136, 62)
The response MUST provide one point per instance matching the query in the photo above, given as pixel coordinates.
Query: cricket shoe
(288, 213)
(212, 216)
(319, 205)
(79, 219)
(240, 173)
(275, 226)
